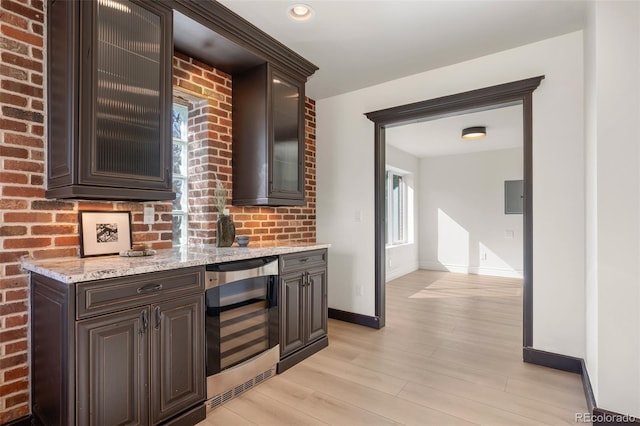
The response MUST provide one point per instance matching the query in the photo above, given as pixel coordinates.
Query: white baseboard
(397, 273)
(496, 272)
(437, 266)
(475, 270)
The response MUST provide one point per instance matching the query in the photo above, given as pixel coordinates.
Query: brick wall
(31, 225)
(21, 183)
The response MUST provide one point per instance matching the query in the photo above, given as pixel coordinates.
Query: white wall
(345, 180)
(462, 214)
(613, 200)
(403, 259)
(591, 202)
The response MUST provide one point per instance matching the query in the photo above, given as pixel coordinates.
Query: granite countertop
(71, 270)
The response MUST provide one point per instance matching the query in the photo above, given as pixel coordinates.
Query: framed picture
(104, 232)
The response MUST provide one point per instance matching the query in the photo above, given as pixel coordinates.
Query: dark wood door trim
(517, 92)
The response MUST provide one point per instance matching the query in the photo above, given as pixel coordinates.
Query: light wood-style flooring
(450, 355)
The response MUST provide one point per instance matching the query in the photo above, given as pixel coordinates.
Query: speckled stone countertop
(74, 269)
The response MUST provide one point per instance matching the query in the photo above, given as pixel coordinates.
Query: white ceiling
(442, 136)
(359, 43)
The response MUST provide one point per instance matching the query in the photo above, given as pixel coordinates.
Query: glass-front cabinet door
(287, 155)
(130, 140)
(109, 70)
(268, 138)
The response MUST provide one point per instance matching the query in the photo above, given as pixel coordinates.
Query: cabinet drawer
(115, 294)
(302, 260)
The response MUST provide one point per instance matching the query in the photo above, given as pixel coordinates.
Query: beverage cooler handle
(272, 291)
(219, 274)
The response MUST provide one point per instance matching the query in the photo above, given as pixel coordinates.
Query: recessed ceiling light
(300, 12)
(474, 132)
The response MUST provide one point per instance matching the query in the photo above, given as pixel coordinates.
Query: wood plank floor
(450, 355)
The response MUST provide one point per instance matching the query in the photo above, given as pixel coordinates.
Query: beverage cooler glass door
(241, 317)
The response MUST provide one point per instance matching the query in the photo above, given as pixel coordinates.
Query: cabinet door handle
(158, 317)
(149, 288)
(303, 280)
(145, 321)
(304, 259)
(308, 279)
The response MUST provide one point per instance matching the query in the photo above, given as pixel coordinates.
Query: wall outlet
(359, 290)
(149, 214)
(483, 255)
(358, 216)
(509, 234)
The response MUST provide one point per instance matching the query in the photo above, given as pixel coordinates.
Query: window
(396, 214)
(180, 115)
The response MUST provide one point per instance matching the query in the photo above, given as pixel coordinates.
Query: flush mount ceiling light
(474, 132)
(300, 12)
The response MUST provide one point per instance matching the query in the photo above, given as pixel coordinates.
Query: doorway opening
(455, 205)
(518, 92)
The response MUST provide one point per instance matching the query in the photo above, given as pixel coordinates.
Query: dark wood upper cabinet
(110, 95)
(268, 138)
(109, 100)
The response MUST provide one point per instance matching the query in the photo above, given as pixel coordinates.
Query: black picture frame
(104, 232)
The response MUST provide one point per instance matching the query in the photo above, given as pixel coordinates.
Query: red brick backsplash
(31, 225)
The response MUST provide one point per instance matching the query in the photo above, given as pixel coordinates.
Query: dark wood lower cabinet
(113, 369)
(317, 309)
(177, 370)
(292, 319)
(143, 365)
(303, 306)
